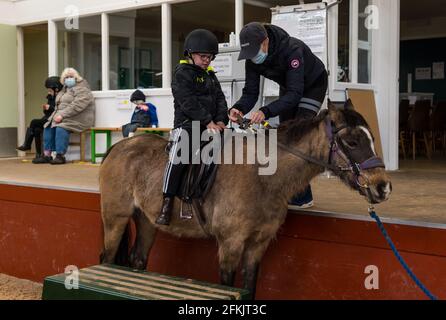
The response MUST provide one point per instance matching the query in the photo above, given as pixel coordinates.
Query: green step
(110, 282)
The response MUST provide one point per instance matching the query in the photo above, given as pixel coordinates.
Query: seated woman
(74, 112)
(143, 116)
(35, 129)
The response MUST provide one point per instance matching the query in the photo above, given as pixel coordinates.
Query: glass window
(344, 72)
(81, 49)
(364, 44)
(217, 16)
(135, 49)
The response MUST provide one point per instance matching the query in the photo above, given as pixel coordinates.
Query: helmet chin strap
(190, 57)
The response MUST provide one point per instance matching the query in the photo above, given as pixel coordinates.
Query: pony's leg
(250, 265)
(113, 234)
(229, 252)
(145, 234)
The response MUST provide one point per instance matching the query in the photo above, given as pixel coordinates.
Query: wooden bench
(81, 143)
(110, 282)
(108, 132)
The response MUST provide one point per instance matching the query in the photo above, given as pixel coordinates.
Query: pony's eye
(352, 144)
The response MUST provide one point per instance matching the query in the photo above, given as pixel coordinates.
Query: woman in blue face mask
(74, 112)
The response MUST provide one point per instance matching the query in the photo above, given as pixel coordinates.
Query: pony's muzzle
(379, 192)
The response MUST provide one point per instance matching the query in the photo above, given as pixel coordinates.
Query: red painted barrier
(314, 257)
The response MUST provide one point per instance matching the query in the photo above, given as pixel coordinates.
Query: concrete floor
(73, 176)
(418, 196)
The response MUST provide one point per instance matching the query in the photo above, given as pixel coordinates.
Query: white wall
(385, 73)
(7, 13)
(32, 11)
(110, 114)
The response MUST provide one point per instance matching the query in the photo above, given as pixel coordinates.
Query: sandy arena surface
(18, 289)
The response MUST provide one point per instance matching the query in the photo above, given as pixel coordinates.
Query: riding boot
(166, 211)
(28, 140)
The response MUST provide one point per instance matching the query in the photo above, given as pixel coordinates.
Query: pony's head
(352, 153)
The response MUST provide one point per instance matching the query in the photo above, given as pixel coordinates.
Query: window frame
(354, 45)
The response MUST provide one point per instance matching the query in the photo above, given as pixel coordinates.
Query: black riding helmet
(53, 83)
(200, 41)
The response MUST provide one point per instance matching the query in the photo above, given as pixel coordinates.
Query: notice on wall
(423, 73)
(123, 101)
(227, 91)
(438, 70)
(308, 26)
(223, 65)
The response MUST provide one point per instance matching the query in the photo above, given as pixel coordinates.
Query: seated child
(143, 116)
(35, 129)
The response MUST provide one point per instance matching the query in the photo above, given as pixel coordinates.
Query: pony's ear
(349, 105)
(331, 107)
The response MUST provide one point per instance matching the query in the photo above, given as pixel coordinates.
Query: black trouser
(311, 102)
(173, 175)
(308, 107)
(36, 130)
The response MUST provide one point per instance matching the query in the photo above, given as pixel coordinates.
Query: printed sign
(223, 65)
(423, 73)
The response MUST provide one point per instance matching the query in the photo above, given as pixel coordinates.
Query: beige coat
(76, 106)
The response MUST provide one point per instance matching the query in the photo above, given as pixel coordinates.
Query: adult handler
(271, 52)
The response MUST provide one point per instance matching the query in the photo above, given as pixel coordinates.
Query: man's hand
(221, 125)
(46, 106)
(233, 114)
(257, 117)
(213, 127)
(58, 119)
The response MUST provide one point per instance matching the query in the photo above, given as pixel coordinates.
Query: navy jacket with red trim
(290, 63)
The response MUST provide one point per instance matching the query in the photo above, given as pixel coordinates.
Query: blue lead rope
(398, 256)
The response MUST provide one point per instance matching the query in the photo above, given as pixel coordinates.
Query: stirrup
(186, 209)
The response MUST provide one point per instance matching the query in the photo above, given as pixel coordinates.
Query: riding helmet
(53, 83)
(200, 41)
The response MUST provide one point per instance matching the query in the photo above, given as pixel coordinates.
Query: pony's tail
(122, 255)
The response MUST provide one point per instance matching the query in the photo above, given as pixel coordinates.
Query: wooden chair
(418, 123)
(437, 125)
(403, 122)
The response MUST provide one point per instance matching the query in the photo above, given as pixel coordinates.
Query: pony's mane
(294, 130)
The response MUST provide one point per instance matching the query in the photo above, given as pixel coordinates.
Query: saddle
(196, 183)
